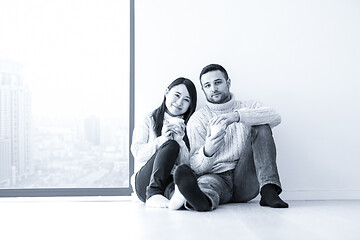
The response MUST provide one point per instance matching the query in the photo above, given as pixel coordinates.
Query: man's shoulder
(242, 102)
(248, 103)
(202, 110)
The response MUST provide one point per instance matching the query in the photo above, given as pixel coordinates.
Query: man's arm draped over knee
(254, 113)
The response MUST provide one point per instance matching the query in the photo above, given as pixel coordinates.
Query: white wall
(300, 57)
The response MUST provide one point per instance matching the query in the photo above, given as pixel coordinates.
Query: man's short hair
(214, 67)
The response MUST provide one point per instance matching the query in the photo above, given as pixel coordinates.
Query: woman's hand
(167, 131)
(178, 132)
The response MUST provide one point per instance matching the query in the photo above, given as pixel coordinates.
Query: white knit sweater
(251, 113)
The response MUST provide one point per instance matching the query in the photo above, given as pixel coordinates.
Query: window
(66, 90)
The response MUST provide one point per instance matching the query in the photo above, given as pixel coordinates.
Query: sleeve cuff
(240, 115)
(202, 154)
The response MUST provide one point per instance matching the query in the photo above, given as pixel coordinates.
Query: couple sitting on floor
(223, 152)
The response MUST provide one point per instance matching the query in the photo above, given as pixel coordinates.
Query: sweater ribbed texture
(251, 113)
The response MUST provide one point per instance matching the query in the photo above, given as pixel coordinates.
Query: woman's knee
(140, 186)
(171, 145)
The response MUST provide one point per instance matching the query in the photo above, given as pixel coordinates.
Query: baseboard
(321, 194)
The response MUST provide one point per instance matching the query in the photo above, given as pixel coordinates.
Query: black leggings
(155, 176)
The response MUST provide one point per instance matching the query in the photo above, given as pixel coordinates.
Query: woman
(160, 143)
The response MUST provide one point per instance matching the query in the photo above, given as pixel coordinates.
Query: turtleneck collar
(222, 107)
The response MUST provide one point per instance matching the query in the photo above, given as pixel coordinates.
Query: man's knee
(261, 130)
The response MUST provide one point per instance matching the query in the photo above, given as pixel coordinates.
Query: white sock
(177, 200)
(157, 201)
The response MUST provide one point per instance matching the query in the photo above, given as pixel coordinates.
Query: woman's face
(177, 100)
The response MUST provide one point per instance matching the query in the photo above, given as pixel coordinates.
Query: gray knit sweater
(251, 113)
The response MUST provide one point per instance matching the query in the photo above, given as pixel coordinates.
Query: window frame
(76, 192)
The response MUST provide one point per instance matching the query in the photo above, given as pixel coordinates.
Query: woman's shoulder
(146, 118)
(148, 115)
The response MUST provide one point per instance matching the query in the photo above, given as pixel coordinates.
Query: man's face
(215, 87)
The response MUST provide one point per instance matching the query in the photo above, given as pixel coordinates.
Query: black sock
(186, 181)
(270, 197)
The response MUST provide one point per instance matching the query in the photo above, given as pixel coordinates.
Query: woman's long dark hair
(158, 114)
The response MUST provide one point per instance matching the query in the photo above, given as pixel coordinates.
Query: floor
(123, 218)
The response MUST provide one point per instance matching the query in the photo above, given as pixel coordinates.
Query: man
(233, 154)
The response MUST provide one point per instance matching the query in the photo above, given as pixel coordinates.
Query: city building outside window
(65, 91)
